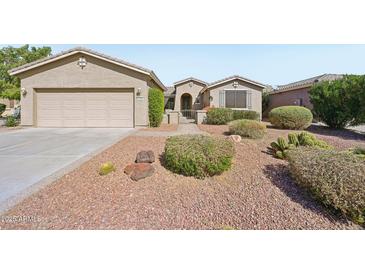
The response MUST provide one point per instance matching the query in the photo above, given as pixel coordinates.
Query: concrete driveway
(30, 156)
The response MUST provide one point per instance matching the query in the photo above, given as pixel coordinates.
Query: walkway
(182, 129)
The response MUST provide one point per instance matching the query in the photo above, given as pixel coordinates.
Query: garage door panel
(85, 109)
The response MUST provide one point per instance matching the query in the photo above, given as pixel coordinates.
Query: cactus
(293, 139)
(280, 148)
(106, 168)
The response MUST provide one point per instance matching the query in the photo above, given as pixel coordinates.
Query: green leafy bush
(11, 122)
(2, 108)
(340, 103)
(155, 107)
(198, 155)
(219, 116)
(337, 179)
(106, 168)
(281, 147)
(247, 128)
(245, 114)
(291, 117)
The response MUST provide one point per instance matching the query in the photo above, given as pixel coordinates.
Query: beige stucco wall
(255, 91)
(194, 91)
(288, 98)
(65, 73)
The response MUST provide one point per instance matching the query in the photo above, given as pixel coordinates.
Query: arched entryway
(186, 101)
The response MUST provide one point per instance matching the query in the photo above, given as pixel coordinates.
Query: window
(236, 98)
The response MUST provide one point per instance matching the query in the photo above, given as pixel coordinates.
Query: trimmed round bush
(337, 179)
(246, 114)
(291, 117)
(155, 106)
(247, 128)
(198, 155)
(219, 116)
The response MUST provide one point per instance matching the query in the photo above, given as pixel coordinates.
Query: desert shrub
(291, 117)
(245, 114)
(155, 106)
(358, 151)
(337, 179)
(340, 103)
(11, 122)
(247, 128)
(106, 168)
(265, 101)
(281, 147)
(198, 155)
(219, 116)
(2, 108)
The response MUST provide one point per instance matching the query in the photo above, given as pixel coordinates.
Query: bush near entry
(155, 107)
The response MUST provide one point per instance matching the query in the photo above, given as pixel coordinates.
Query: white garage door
(85, 109)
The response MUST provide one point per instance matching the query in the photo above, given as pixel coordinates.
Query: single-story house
(84, 88)
(297, 93)
(234, 92)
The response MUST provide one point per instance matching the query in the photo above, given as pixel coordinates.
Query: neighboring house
(83, 88)
(234, 92)
(297, 93)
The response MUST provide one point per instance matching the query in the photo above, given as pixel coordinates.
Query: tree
(340, 103)
(11, 57)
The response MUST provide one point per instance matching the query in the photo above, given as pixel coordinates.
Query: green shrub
(155, 106)
(265, 101)
(219, 116)
(11, 122)
(337, 179)
(106, 168)
(2, 108)
(281, 147)
(246, 114)
(198, 155)
(247, 128)
(340, 103)
(358, 151)
(291, 117)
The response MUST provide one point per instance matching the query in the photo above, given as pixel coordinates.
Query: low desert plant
(245, 114)
(106, 168)
(11, 122)
(337, 179)
(219, 116)
(247, 128)
(291, 117)
(198, 155)
(281, 147)
(358, 151)
(155, 106)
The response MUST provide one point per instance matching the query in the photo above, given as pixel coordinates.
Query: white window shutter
(249, 99)
(222, 102)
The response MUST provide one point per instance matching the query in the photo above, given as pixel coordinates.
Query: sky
(268, 64)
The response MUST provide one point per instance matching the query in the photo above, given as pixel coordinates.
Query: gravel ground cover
(257, 193)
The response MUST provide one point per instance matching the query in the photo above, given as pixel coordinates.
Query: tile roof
(236, 77)
(190, 79)
(307, 82)
(48, 59)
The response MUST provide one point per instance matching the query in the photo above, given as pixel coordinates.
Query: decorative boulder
(235, 138)
(138, 171)
(145, 157)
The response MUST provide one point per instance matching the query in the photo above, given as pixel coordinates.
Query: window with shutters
(237, 99)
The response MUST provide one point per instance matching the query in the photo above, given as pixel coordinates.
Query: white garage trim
(84, 108)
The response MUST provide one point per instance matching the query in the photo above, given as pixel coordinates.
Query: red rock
(139, 171)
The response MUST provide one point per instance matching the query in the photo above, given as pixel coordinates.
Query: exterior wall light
(235, 84)
(139, 92)
(82, 62)
(23, 91)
